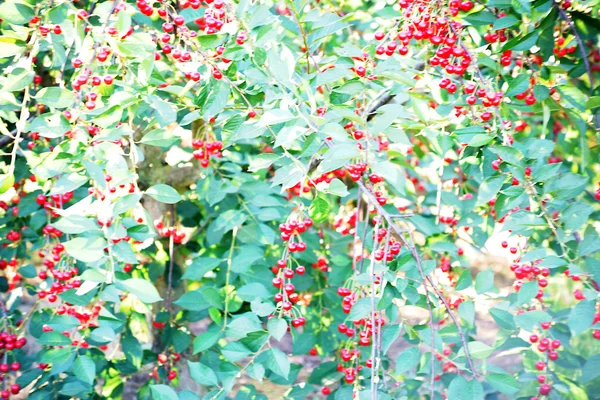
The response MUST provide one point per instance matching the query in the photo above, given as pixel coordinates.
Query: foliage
(195, 191)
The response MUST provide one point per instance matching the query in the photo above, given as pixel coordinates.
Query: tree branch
(584, 55)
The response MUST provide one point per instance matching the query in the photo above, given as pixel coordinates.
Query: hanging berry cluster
(284, 272)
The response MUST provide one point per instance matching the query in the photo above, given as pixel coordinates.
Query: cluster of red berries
(51, 294)
(205, 149)
(53, 201)
(447, 366)
(290, 232)
(545, 345)
(297, 190)
(322, 264)
(287, 296)
(345, 222)
(529, 272)
(528, 95)
(393, 247)
(5, 369)
(168, 363)
(86, 319)
(163, 231)
(445, 264)
(363, 330)
(9, 342)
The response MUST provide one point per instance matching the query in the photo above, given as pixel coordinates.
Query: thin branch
(584, 56)
(381, 211)
(228, 276)
(302, 33)
(373, 309)
(483, 81)
(20, 128)
(171, 263)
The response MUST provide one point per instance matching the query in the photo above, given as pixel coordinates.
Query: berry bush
(212, 199)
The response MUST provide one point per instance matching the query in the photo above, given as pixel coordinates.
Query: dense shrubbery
(193, 191)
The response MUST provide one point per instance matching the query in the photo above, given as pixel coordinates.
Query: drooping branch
(584, 56)
(413, 250)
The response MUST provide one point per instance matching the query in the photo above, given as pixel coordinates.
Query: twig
(381, 211)
(228, 276)
(505, 140)
(373, 310)
(297, 21)
(20, 127)
(68, 52)
(171, 263)
(584, 56)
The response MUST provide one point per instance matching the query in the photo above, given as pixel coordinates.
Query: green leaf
(281, 62)
(490, 188)
(142, 289)
(200, 267)
(590, 243)
(505, 22)
(529, 319)
(54, 339)
(217, 99)
(467, 312)
(262, 161)
(360, 310)
(235, 351)
(277, 328)
(593, 102)
(390, 334)
(230, 219)
(540, 148)
(319, 209)
(522, 42)
(103, 335)
(504, 383)
(164, 193)
(86, 249)
(385, 116)
(591, 369)
(202, 374)
(18, 79)
(56, 97)
(10, 47)
(75, 224)
(582, 316)
(211, 41)
(461, 389)
(407, 360)
(123, 23)
(480, 140)
(277, 361)
(503, 318)
(16, 12)
(163, 392)
(85, 369)
(484, 281)
(159, 137)
(164, 113)
(527, 292)
(573, 95)
(338, 188)
(206, 340)
(275, 116)
(518, 85)
(6, 182)
(522, 6)
(479, 350)
(480, 18)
